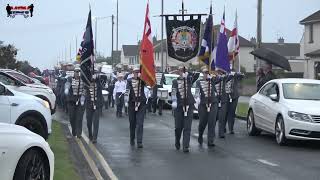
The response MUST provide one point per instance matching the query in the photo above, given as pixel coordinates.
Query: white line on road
(267, 162)
(90, 161)
(103, 162)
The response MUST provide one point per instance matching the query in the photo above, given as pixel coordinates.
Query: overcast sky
(56, 24)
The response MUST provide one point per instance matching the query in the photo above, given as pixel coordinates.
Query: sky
(57, 24)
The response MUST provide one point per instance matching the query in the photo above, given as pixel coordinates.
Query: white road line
(267, 162)
(90, 161)
(103, 162)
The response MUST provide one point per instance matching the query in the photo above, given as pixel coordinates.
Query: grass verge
(63, 167)
(242, 109)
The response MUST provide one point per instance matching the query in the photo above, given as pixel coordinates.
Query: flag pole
(212, 41)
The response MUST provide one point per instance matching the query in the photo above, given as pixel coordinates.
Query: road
(236, 157)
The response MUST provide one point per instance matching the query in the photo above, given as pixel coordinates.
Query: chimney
(281, 40)
(253, 40)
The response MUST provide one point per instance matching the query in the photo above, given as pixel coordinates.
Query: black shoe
(211, 144)
(140, 145)
(94, 141)
(177, 146)
(200, 140)
(222, 137)
(79, 136)
(132, 143)
(231, 132)
(160, 113)
(186, 150)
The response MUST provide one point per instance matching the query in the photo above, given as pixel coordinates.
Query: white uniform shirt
(119, 87)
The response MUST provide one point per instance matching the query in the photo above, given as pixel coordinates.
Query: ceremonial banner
(183, 38)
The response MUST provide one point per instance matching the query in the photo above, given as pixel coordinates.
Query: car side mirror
(274, 97)
(2, 90)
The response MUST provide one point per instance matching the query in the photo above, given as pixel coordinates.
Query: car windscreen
(21, 77)
(169, 80)
(301, 91)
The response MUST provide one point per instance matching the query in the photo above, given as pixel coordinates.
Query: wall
(309, 47)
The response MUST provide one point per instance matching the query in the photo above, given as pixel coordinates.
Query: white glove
(198, 101)
(114, 97)
(209, 76)
(185, 75)
(66, 91)
(82, 99)
(94, 77)
(232, 73)
(174, 105)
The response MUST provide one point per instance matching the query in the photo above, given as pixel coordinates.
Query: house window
(311, 33)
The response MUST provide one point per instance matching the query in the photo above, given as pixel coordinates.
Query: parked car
(24, 154)
(288, 108)
(21, 84)
(25, 110)
(169, 78)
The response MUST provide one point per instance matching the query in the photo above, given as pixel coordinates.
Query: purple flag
(222, 58)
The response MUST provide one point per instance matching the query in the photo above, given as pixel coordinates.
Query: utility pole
(259, 29)
(162, 6)
(112, 61)
(70, 53)
(117, 25)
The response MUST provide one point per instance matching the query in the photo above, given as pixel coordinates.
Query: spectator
(261, 76)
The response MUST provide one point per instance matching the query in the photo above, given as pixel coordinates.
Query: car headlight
(299, 116)
(44, 103)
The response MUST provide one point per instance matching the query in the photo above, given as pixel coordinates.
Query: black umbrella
(272, 57)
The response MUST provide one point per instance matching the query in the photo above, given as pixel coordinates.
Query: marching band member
(94, 106)
(74, 91)
(136, 103)
(183, 105)
(118, 94)
(233, 95)
(207, 101)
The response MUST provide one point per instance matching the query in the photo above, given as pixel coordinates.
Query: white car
(288, 108)
(22, 84)
(168, 86)
(25, 110)
(24, 154)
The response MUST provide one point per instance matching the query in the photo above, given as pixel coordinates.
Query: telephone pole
(162, 6)
(112, 17)
(117, 25)
(259, 29)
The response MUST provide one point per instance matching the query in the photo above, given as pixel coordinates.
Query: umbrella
(272, 57)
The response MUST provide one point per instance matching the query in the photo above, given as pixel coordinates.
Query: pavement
(235, 157)
(244, 99)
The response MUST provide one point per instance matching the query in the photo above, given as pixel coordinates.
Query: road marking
(90, 161)
(103, 162)
(267, 162)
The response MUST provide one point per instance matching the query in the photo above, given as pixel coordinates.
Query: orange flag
(148, 74)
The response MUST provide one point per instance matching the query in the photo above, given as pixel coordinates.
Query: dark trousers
(110, 99)
(231, 114)
(76, 117)
(136, 120)
(208, 118)
(157, 103)
(222, 112)
(183, 124)
(93, 117)
(119, 103)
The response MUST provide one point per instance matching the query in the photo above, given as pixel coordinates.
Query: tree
(8, 55)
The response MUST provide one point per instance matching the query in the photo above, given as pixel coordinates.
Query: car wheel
(280, 131)
(251, 127)
(32, 165)
(34, 125)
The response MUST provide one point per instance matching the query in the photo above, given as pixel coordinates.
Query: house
(130, 55)
(310, 45)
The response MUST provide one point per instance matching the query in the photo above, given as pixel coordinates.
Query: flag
(233, 44)
(87, 53)
(207, 44)
(148, 74)
(222, 59)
